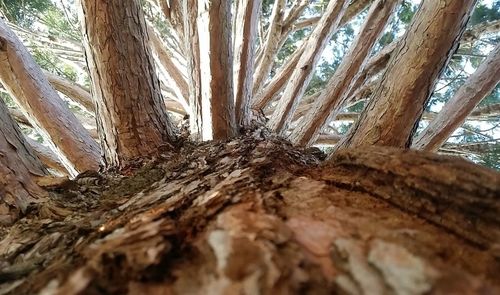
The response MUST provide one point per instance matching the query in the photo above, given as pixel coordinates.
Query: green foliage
(483, 13)
(23, 12)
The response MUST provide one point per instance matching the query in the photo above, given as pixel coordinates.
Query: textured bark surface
(304, 70)
(41, 105)
(337, 89)
(271, 44)
(131, 118)
(192, 48)
(456, 110)
(411, 75)
(18, 168)
(256, 215)
(216, 66)
(245, 34)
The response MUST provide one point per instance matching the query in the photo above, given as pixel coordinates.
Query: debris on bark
(255, 215)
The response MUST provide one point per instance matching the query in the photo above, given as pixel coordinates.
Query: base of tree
(258, 216)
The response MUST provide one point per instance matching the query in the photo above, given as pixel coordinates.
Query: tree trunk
(337, 89)
(304, 70)
(131, 117)
(267, 52)
(40, 103)
(216, 66)
(192, 48)
(411, 75)
(18, 168)
(456, 110)
(271, 222)
(169, 68)
(72, 90)
(245, 35)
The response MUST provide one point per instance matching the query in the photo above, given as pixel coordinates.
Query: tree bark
(337, 89)
(131, 118)
(40, 103)
(18, 168)
(169, 68)
(456, 110)
(245, 34)
(302, 74)
(271, 222)
(73, 91)
(192, 47)
(411, 75)
(268, 50)
(216, 66)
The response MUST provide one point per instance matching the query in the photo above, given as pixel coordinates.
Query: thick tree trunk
(456, 110)
(246, 20)
(216, 66)
(40, 103)
(391, 116)
(271, 222)
(304, 70)
(131, 117)
(337, 89)
(18, 168)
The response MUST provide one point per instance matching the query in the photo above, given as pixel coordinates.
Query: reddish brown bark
(42, 106)
(337, 89)
(302, 74)
(216, 66)
(272, 221)
(131, 117)
(18, 168)
(399, 101)
(245, 35)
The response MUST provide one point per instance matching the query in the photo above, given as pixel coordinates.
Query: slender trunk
(304, 71)
(216, 65)
(47, 157)
(168, 67)
(72, 90)
(263, 97)
(411, 75)
(337, 89)
(456, 110)
(18, 168)
(245, 40)
(43, 107)
(268, 50)
(131, 117)
(192, 48)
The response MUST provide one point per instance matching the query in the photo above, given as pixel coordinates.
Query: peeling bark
(216, 62)
(456, 110)
(131, 118)
(18, 168)
(411, 75)
(273, 221)
(245, 39)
